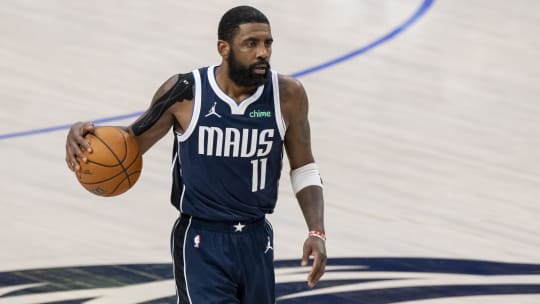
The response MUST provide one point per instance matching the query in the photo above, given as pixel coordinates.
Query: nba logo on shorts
(197, 241)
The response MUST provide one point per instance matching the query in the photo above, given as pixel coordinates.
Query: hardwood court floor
(428, 143)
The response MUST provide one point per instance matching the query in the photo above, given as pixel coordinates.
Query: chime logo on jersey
(260, 114)
(233, 142)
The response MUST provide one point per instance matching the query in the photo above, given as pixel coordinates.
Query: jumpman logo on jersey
(213, 111)
(268, 246)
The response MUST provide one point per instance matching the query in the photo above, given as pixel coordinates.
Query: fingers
(69, 163)
(317, 270)
(87, 127)
(316, 248)
(77, 146)
(73, 155)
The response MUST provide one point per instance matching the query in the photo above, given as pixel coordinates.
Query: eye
(251, 43)
(268, 43)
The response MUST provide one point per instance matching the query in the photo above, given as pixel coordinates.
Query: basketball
(114, 165)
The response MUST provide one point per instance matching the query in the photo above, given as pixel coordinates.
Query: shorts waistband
(225, 226)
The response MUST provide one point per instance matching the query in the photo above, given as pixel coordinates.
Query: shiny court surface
(427, 139)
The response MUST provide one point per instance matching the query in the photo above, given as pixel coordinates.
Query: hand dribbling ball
(114, 165)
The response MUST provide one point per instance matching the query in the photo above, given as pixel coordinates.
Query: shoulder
(290, 87)
(293, 97)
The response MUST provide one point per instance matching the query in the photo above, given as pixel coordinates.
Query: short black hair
(236, 16)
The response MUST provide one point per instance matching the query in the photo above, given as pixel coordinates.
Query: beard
(245, 75)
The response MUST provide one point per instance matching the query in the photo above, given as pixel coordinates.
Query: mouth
(260, 69)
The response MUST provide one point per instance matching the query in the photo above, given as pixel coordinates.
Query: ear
(223, 48)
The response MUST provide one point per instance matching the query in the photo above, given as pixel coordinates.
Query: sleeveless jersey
(227, 163)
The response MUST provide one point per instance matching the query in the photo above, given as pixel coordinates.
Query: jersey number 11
(256, 182)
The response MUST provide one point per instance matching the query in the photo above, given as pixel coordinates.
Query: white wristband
(307, 175)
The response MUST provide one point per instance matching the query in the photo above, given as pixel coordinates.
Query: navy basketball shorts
(223, 262)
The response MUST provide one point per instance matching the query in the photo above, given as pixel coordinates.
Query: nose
(263, 52)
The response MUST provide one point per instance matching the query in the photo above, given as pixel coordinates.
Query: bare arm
(298, 147)
(76, 144)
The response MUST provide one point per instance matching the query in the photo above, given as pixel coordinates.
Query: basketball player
(231, 123)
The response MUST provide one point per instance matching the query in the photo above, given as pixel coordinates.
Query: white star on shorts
(238, 227)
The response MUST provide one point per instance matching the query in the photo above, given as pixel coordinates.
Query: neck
(229, 87)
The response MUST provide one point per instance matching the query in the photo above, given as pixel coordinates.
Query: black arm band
(182, 90)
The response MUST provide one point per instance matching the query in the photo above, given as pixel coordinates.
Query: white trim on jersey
(269, 224)
(174, 162)
(196, 108)
(177, 159)
(182, 198)
(185, 265)
(236, 109)
(277, 106)
(172, 254)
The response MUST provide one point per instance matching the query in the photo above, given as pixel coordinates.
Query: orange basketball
(114, 165)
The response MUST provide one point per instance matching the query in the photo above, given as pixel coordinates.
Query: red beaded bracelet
(318, 234)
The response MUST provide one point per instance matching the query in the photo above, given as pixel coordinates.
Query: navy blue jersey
(227, 163)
